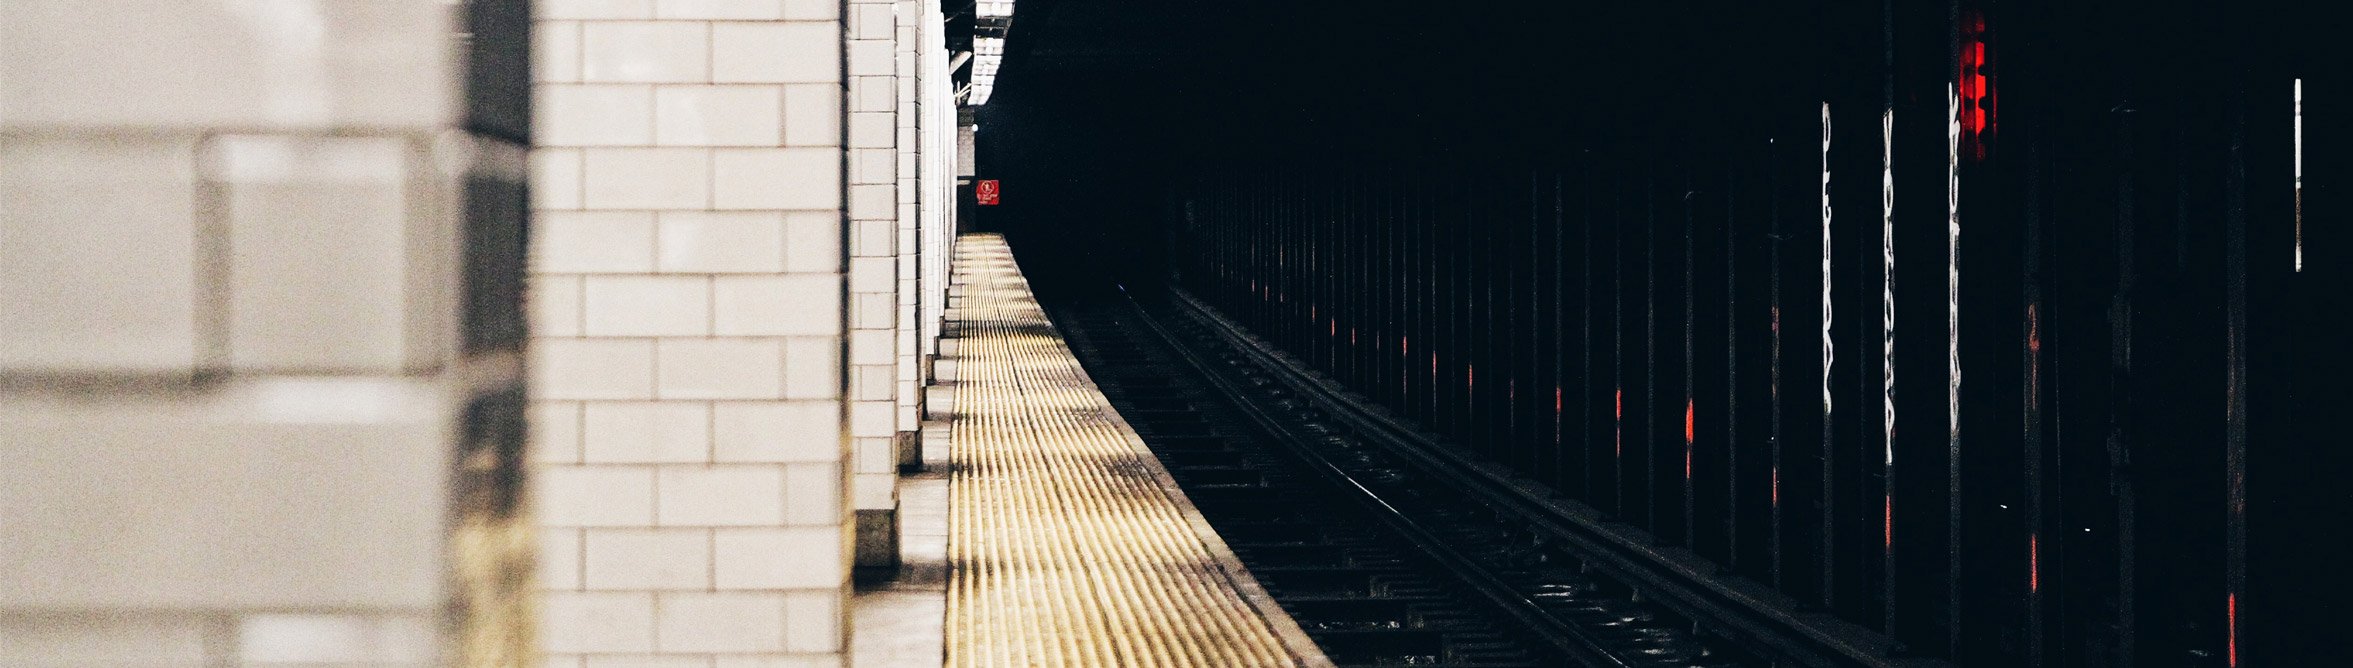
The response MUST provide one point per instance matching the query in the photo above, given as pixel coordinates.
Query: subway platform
(1066, 542)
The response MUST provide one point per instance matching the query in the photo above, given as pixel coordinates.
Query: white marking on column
(1827, 353)
(1952, 264)
(1887, 280)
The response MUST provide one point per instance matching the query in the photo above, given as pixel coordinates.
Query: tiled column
(688, 295)
(260, 332)
(907, 382)
(937, 118)
(874, 312)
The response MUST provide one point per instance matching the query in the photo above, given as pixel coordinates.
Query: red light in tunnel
(2232, 619)
(1687, 421)
(1887, 521)
(1974, 87)
(2034, 566)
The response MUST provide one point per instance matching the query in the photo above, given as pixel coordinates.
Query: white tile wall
(773, 305)
(116, 290)
(600, 115)
(783, 52)
(643, 559)
(595, 496)
(645, 51)
(792, 431)
(592, 242)
(719, 9)
(593, 9)
(736, 495)
(593, 369)
(646, 306)
(729, 368)
(583, 622)
(646, 178)
(733, 621)
(645, 432)
(698, 242)
(740, 115)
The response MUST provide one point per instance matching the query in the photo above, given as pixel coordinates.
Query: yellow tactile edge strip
(1069, 544)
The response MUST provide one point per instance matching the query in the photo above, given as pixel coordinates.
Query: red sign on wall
(986, 191)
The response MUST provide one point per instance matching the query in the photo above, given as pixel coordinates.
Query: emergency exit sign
(986, 192)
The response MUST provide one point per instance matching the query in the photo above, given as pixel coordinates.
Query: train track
(1384, 558)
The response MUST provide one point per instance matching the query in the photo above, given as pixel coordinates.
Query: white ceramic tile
(784, 178)
(719, 9)
(812, 367)
(554, 301)
(734, 495)
(319, 251)
(299, 638)
(105, 640)
(555, 179)
(648, 559)
(779, 660)
(873, 129)
(813, 492)
(874, 93)
(642, 432)
(298, 64)
(871, 383)
(812, 10)
(874, 202)
(813, 621)
(372, 505)
(722, 242)
(593, 115)
(875, 275)
(873, 491)
(647, 305)
(790, 431)
(648, 661)
(878, 455)
(872, 419)
(778, 558)
(872, 21)
(720, 368)
(592, 242)
(782, 305)
(555, 432)
(645, 52)
(555, 51)
(812, 242)
(870, 347)
(873, 166)
(647, 178)
(595, 496)
(872, 57)
(812, 115)
(592, 369)
(734, 115)
(792, 52)
(559, 559)
(721, 622)
(593, 9)
(578, 622)
(97, 260)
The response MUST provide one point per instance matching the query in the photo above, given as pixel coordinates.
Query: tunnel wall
(1978, 325)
